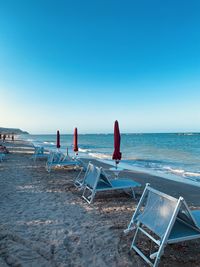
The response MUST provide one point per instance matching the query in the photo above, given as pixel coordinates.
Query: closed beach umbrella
(76, 141)
(117, 154)
(58, 140)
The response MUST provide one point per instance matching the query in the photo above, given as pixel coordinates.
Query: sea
(173, 156)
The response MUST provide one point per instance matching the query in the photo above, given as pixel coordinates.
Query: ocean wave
(182, 172)
(84, 150)
(49, 143)
(163, 168)
(30, 140)
(100, 155)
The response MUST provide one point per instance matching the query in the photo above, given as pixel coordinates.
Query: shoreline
(170, 177)
(129, 167)
(168, 186)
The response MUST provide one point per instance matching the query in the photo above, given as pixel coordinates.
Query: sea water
(171, 155)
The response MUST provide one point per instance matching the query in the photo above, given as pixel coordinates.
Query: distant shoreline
(122, 133)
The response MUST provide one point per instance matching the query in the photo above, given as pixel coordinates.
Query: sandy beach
(45, 222)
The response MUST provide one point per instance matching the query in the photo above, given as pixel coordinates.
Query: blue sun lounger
(58, 159)
(164, 220)
(96, 181)
(2, 156)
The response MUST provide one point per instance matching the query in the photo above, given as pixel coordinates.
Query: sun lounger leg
(79, 182)
(135, 236)
(89, 198)
(92, 196)
(133, 193)
(48, 167)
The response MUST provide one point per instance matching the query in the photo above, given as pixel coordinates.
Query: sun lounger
(39, 153)
(58, 159)
(96, 180)
(164, 220)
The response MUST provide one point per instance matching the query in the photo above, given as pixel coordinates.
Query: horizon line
(181, 132)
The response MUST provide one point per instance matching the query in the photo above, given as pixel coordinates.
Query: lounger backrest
(185, 215)
(105, 178)
(92, 177)
(157, 212)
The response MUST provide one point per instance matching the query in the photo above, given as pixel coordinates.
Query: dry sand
(45, 222)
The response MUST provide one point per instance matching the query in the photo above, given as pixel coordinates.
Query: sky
(69, 63)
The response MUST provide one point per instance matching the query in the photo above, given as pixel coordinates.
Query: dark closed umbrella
(58, 140)
(117, 154)
(76, 141)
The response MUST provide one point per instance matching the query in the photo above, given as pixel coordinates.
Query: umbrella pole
(116, 164)
(116, 172)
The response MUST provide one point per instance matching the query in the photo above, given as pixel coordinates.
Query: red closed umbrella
(58, 140)
(117, 154)
(76, 141)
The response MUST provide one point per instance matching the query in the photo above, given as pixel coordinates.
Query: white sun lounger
(164, 220)
(95, 181)
(58, 159)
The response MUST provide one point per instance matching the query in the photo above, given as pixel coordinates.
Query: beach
(45, 222)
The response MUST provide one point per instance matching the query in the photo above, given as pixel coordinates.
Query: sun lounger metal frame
(79, 180)
(39, 153)
(99, 182)
(181, 219)
(58, 159)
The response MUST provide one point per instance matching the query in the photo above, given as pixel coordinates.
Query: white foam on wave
(192, 174)
(84, 150)
(49, 143)
(96, 155)
(29, 140)
(99, 155)
(182, 172)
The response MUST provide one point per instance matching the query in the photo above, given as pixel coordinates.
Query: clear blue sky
(86, 63)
